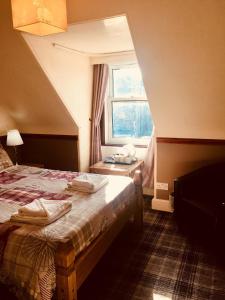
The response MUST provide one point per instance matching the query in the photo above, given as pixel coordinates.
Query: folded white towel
(89, 183)
(42, 211)
(33, 209)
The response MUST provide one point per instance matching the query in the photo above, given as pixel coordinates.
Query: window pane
(127, 82)
(131, 119)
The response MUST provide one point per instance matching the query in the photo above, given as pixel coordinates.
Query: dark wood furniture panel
(199, 196)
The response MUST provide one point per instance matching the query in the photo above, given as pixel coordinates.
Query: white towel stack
(42, 211)
(88, 183)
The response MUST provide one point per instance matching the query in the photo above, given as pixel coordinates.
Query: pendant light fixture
(39, 17)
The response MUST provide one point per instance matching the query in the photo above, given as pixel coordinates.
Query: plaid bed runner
(25, 196)
(64, 175)
(7, 178)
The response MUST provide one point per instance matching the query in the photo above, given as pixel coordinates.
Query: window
(127, 114)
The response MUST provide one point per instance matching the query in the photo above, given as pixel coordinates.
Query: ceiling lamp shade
(39, 17)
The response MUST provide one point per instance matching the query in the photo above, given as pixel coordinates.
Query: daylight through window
(127, 114)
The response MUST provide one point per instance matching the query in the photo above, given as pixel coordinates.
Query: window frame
(109, 139)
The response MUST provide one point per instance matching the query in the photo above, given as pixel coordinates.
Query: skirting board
(163, 205)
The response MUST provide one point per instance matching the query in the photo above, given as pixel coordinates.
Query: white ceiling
(97, 37)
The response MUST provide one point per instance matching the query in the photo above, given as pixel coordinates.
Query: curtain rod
(93, 54)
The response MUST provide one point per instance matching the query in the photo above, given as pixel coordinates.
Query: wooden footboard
(71, 271)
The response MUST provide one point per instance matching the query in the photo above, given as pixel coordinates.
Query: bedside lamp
(14, 139)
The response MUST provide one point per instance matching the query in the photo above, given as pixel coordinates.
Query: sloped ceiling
(180, 46)
(28, 100)
(96, 37)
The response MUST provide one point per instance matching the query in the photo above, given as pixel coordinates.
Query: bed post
(65, 272)
(138, 210)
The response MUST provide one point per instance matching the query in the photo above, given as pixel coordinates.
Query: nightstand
(117, 169)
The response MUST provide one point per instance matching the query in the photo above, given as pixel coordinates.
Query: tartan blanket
(29, 253)
(5, 230)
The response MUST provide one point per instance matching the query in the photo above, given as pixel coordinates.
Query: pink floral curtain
(100, 80)
(148, 170)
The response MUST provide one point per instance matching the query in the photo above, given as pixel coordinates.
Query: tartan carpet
(159, 264)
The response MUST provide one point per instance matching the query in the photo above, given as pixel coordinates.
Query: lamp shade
(39, 17)
(14, 138)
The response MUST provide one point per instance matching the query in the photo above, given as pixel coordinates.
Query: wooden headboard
(53, 151)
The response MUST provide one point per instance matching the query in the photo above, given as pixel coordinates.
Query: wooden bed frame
(72, 271)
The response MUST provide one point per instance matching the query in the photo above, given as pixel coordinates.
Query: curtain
(100, 80)
(148, 170)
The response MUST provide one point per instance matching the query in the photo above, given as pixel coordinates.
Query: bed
(40, 260)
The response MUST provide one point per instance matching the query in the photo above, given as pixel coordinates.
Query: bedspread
(28, 261)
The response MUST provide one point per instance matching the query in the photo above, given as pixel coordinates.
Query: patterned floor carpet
(161, 264)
